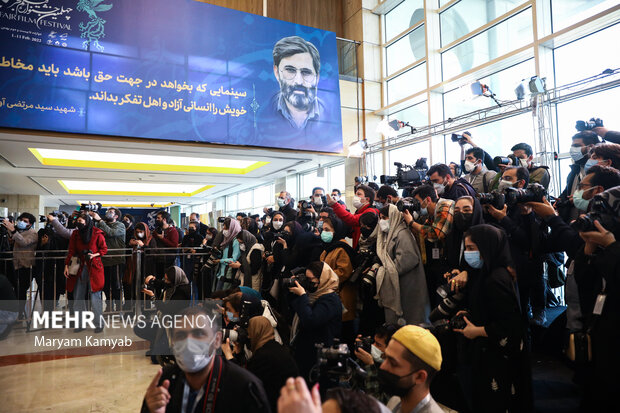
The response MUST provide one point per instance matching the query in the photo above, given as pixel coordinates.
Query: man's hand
(298, 289)
(9, 225)
(139, 243)
(407, 216)
(600, 237)
(330, 200)
(148, 279)
(295, 397)
(50, 217)
(270, 259)
(94, 215)
(469, 140)
(496, 213)
(362, 354)
(542, 209)
(235, 265)
(158, 235)
(157, 397)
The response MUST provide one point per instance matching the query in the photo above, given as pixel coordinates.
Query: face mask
(191, 230)
(225, 233)
(473, 259)
(80, 226)
(140, 235)
(281, 202)
(590, 164)
(327, 236)
(312, 288)
(389, 383)
(231, 317)
(260, 224)
(523, 162)
(379, 205)
(267, 220)
(440, 188)
(575, 153)
(384, 224)
(503, 184)
(376, 354)
(242, 247)
(424, 211)
(127, 224)
(277, 225)
(463, 220)
(357, 202)
(192, 355)
(579, 202)
(21, 225)
(336, 198)
(469, 166)
(366, 232)
(110, 215)
(318, 200)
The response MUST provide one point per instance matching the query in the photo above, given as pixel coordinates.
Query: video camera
(90, 207)
(582, 125)
(599, 211)
(407, 176)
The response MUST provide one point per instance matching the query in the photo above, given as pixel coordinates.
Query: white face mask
(357, 202)
(277, 225)
(281, 202)
(439, 188)
(140, 235)
(470, 166)
(267, 220)
(336, 198)
(503, 184)
(225, 233)
(242, 247)
(192, 355)
(523, 162)
(377, 355)
(209, 237)
(260, 224)
(384, 225)
(576, 154)
(318, 200)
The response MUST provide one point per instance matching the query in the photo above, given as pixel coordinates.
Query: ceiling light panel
(132, 188)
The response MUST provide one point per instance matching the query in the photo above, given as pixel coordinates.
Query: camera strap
(212, 385)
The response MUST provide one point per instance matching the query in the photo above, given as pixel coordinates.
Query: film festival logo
(37, 12)
(93, 30)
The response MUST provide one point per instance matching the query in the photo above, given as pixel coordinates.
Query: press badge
(600, 302)
(435, 253)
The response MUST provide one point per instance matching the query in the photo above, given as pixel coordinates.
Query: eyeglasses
(581, 185)
(290, 72)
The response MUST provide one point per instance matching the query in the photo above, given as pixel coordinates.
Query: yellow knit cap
(421, 343)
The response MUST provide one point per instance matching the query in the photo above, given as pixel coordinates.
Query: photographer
(225, 275)
(402, 291)
(113, 265)
(365, 269)
(337, 196)
(597, 273)
(48, 269)
(251, 261)
(604, 154)
(191, 244)
(270, 362)
(129, 221)
(446, 185)
(524, 155)
(338, 254)
(285, 202)
(487, 160)
(386, 195)
(299, 247)
(318, 314)
(374, 358)
(495, 366)
(412, 358)
(87, 243)
(24, 239)
(202, 228)
(363, 201)
(166, 236)
(60, 230)
(478, 175)
(467, 213)
(142, 241)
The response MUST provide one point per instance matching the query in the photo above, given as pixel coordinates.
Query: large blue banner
(179, 70)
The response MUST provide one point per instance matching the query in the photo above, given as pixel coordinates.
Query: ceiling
(23, 173)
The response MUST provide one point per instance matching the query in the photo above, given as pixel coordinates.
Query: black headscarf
(493, 245)
(86, 233)
(339, 235)
(455, 237)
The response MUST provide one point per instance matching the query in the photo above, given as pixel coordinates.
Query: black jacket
(273, 364)
(290, 213)
(459, 188)
(239, 391)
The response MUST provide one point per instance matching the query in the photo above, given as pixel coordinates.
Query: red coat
(95, 266)
(353, 220)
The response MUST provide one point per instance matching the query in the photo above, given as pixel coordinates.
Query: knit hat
(421, 343)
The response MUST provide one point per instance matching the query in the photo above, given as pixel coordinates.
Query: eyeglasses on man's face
(290, 72)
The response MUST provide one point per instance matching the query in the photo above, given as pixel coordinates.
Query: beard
(300, 101)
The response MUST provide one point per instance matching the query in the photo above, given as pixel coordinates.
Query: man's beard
(299, 101)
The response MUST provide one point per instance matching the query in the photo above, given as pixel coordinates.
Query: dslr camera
(533, 193)
(443, 326)
(494, 198)
(409, 204)
(600, 211)
(582, 125)
(90, 207)
(237, 335)
(509, 160)
(364, 343)
(459, 138)
(297, 274)
(215, 254)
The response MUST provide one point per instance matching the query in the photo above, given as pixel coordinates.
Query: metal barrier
(138, 261)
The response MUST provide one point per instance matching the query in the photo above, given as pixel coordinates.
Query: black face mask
(80, 226)
(312, 288)
(462, 220)
(191, 230)
(389, 383)
(127, 224)
(366, 232)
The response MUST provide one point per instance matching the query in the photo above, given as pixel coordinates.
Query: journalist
(285, 203)
(48, 269)
(225, 276)
(166, 237)
(141, 242)
(446, 185)
(478, 176)
(467, 213)
(24, 239)
(251, 260)
(604, 154)
(386, 195)
(362, 202)
(202, 228)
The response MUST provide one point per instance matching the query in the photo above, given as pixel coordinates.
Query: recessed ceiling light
(132, 188)
(139, 162)
(128, 204)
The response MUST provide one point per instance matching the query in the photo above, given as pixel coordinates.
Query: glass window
(568, 12)
(263, 196)
(291, 185)
(460, 101)
(231, 203)
(244, 200)
(600, 105)
(416, 115)
(403, 16)
(587, 57)
(468, 15)
(309, 181)
(406, 50)
(336, 178)
(408, 155)
(497, 41)
(406, 84)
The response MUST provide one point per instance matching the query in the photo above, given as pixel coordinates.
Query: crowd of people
(408, 302)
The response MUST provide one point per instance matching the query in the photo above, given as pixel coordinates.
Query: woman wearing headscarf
(230, 253)
(142, 242)
(48, 268)
(494, 364)
(299, 247)
(318, 314)
(250, 262)
(339, 255)
(87, 243)
(271, 362)
(467, 213)
(401, 283)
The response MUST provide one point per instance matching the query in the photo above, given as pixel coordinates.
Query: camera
(369, 278)
(221, 219)
(599, 211)
(448, 305)
(407, 176)
(335, 364)
(459, 138)
(305, 205)
(410, 204)
(443, 326)
(562, 202)
(363, 261)
(533, 193)
(364, 343)
(364, 179)
(297, 274)
(214, 256)
(582, 125)
(494, 198)
(505, 160)
(238, 335)
(90, 207)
